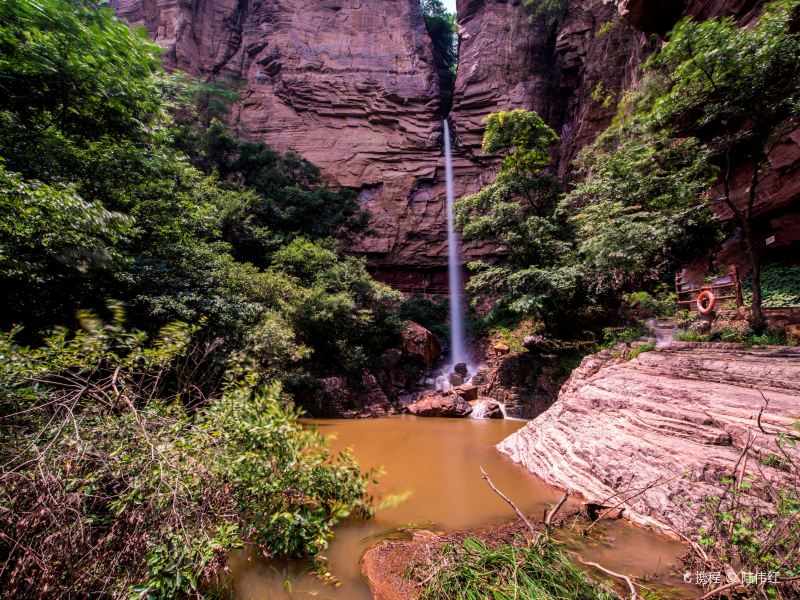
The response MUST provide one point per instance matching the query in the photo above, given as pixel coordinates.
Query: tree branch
(510, 503)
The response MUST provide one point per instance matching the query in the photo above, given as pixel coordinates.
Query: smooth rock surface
(677, 417)
(436, 405)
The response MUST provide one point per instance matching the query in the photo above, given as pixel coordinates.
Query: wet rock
(501, 349)
(487, 408)
(397, 378)
(391, 358)
(420, 344)
(679, 415)
(461, 369)
(455, 379)
(439, 405)
(467, 392)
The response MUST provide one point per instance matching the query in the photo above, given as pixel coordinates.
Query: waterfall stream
(458, 351)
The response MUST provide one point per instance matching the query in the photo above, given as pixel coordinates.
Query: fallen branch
(639, 492)
(625, 578)
(549, 518)
(510, 503)
(695, 546)
(722, 588)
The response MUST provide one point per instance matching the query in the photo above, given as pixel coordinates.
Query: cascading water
(458, 352)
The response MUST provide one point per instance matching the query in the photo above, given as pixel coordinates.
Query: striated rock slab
(679, 417)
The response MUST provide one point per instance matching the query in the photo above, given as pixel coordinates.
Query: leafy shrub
(621, 335)
(640, 349)
(754, 522)
(431, 315)
(690, 336)
(780, 286)
(116, 487)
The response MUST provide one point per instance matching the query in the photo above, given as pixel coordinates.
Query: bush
(431, 315)
(780, 286)
(111, 484)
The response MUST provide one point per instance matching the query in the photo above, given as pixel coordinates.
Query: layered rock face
(354, 88)
(674, 422)
(351, 86)
(564, 68)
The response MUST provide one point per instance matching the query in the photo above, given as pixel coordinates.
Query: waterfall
(457, 347)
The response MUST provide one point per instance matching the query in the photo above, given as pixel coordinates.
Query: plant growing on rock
(754, 525)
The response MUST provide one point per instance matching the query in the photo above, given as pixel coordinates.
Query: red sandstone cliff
(352, 86)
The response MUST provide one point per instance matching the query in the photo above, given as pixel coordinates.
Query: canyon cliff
(355, 88)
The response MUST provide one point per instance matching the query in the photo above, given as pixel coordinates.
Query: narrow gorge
(400, 299)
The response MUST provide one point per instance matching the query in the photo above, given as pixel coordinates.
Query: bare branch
(510, 503)
(625, 578)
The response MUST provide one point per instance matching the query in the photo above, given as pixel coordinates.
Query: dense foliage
(731, 93)
(442, 28)
(539, 276)
(715, 95)
(134, 460)
(112, 486)
(780, 286)
(100, 202)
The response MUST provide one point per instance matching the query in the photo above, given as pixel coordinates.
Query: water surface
(437, 463)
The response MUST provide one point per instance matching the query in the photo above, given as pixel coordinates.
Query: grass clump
(476, 570)
(646, 347)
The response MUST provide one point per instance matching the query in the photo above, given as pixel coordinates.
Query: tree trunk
(756, 315)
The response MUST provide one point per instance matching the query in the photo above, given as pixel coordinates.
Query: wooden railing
(727, 287)
(416, 288)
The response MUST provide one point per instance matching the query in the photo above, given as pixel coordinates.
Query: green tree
(738, 90)
(442, 28)
(520, 212)
(640, 212)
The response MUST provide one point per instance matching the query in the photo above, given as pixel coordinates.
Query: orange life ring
(705, 302)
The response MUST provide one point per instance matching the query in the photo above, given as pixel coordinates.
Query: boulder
(701, 325)
(461, 369)
(501, 349)
(455, 379)
(391, 358)
(420, 344)
(487, 408)
(467, 392)
(793, 334)
(438, 405)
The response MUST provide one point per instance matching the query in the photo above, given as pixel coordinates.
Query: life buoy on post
(705, 302)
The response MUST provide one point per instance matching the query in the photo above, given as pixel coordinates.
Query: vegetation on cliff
(714, 95)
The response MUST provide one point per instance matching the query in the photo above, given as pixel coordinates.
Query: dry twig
(511, 504)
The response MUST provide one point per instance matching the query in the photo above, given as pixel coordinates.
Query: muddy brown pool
(436, 464)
